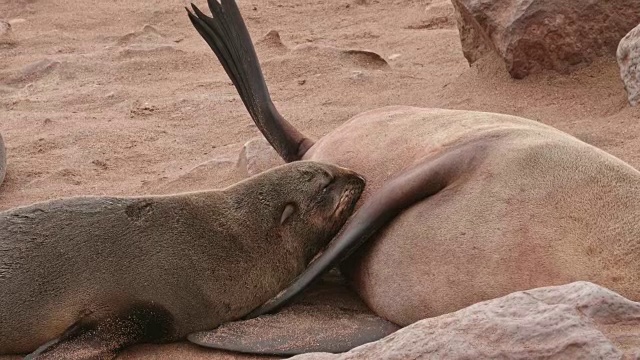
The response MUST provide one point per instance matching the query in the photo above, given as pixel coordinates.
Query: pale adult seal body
(490, 204)
(101, 273)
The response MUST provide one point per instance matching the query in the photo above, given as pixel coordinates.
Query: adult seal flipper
(229, 39)
(425, 179)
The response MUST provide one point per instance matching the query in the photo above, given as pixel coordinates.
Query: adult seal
(85, 277)
(461, 206)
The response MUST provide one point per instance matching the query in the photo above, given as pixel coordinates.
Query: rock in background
(257, 155)
(533, 35)
(629, 61)
(580, 320)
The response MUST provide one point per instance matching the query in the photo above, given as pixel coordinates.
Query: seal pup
(88, 276)
(488, 204)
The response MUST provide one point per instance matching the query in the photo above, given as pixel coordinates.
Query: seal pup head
(302, 205)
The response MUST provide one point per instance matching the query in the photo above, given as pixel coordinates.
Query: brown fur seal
(3, 160)
(98, 274)
(488, 204)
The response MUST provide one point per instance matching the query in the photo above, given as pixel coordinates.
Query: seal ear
(287, 212)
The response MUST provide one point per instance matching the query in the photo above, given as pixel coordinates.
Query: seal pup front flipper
(427, 178)
(328, 317)
(297, 329)
(227, 35)
(104, 338)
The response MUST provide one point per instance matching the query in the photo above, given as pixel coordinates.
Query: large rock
(575, 321)
(257, 155)
(531, 35)
(629, 61)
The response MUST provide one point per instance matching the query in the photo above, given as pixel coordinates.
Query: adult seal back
(85, 277)
(461, 206)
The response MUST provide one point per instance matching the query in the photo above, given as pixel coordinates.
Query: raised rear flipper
(229, 39)
(425, 179)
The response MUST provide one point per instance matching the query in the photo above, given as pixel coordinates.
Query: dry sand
(124, 97)
(94, 101)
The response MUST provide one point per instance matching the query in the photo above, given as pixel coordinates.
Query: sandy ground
(124, 97)
(94, 102)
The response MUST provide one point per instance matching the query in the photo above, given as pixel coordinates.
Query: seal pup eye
(289, 209)
(327, 180)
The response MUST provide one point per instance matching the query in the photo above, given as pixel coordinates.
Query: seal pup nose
(353, 174)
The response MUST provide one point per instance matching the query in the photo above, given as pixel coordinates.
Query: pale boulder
(256, 156)
(629, 61)
(580, 320)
